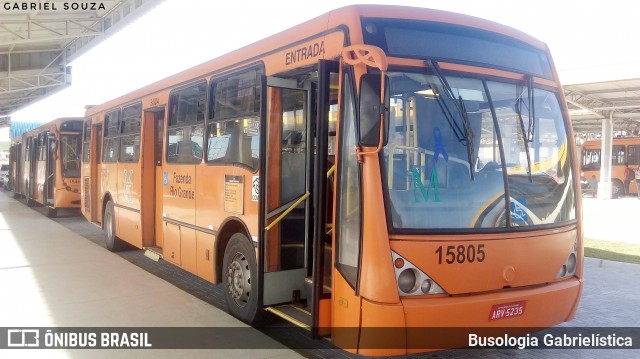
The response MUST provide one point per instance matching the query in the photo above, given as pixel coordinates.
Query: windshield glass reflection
(497, 158)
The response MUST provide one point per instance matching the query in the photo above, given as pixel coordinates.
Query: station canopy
(590, 103)
(38, 43)
(36, 46)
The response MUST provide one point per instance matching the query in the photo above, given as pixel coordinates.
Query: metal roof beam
(36, 46)
(13, 84)
(611, 90)
(51, 32)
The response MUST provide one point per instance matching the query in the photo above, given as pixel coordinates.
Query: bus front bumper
(446, 322)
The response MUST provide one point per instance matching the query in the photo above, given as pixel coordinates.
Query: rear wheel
(240, 279)
(112, 242)
(617, 189)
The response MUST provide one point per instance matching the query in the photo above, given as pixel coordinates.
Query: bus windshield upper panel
(475, 153)
(419, 39)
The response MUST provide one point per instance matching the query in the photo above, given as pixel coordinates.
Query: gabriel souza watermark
(53, 6)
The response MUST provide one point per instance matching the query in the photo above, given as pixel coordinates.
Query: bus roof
(635, 140)
(53, 123)
(349, 15)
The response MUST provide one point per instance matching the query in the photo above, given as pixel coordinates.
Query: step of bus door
(155, 253)
(308, 290)
(294, 314)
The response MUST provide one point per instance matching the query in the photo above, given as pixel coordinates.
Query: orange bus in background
(625, 151)
(355, 172)
(45, 165)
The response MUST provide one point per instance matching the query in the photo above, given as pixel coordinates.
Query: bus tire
(52, 212)
(617, 189)
(240, 279)
(112, 242)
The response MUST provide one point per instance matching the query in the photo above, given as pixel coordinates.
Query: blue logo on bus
(165, 180)
(519, 215)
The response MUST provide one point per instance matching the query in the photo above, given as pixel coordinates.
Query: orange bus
(625, 151)
(355, 171)
(45, 165)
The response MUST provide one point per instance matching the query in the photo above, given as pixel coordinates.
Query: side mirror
(371, 107)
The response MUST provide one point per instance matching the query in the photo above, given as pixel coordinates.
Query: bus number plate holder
(507, 310)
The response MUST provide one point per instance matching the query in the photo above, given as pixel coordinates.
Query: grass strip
(613, 251)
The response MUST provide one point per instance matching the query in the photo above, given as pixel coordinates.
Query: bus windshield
(70, 153)
(466, 158)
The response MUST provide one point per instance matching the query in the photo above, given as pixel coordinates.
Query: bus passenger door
(32, 170)
(17, 171)
(50, 170)
(287, 196)
(324, 152)
(151, 199)
(96, 174)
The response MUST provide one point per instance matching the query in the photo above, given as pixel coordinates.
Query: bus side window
(186, 124)
(233, 128)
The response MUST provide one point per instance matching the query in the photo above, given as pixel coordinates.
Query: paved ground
(610, 297)
(612, 220)
(51, 276)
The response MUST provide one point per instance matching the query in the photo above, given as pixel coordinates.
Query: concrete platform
(53, 277)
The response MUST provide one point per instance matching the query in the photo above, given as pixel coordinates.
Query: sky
(590, 41)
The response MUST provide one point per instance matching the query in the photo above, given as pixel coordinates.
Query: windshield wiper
(532, 114)
(464, 135)
(526, 132)
(468, 134)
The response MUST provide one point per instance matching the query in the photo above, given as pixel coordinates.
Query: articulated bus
(45, 165)
(356, 171)
(625, 151)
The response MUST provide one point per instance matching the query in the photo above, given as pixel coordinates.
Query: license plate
(507, 310)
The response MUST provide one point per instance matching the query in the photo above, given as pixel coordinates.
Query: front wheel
(240, 279)
(52, 212)
(112, 242)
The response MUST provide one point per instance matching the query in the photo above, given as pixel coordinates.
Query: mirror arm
(372, 56)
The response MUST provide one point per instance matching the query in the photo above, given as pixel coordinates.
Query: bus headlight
(569, 266)
(411, 280)
(426, 285)
(407, 280)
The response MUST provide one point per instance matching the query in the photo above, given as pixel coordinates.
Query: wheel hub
(239, 279)
(109, 226)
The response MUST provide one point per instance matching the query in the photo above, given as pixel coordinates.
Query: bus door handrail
(331, 170)
(296, 203)
(287, 211)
